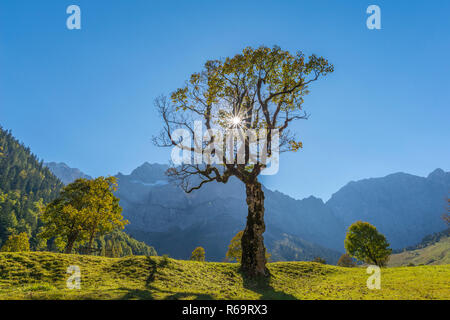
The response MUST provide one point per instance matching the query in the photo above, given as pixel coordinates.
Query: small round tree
(364, 242)
(198, 254)
(234, 252)
(84, 210)
(346, 261)
(319, 260)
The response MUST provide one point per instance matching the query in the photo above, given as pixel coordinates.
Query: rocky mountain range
(404, 207)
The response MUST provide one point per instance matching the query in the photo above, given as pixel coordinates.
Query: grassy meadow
(42, 275)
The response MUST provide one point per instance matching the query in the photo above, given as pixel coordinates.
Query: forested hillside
(119, 244)
(27, 184)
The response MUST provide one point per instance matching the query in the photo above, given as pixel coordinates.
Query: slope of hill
(426, 241)
(43, 276)
(437, 253)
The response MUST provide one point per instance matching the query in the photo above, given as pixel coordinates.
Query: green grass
(42, 275)
(435, 254)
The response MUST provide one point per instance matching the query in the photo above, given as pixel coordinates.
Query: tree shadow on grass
(145, 294)
(148, 293)
(264, 288)
(137, 294)
(152, 269)
(195, 296)
(261, 286)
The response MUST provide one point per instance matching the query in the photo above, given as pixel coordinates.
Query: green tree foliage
(84, 209)
(234, 252)
(365, 243)
(346, 261)
(25, 184)
(198, 254)
(17, 243)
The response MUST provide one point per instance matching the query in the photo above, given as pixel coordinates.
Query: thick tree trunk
(69, 246)
(70, 243)
(253, 261)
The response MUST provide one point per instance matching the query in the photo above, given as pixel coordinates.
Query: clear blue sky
(85, 97)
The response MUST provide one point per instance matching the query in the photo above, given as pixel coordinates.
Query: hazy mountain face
(175, 222)
(65, 173)
(403, 207)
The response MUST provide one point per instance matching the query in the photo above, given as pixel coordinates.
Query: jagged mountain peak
(65, 173)
(313, 199)
(438, 174)
(150, 172)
